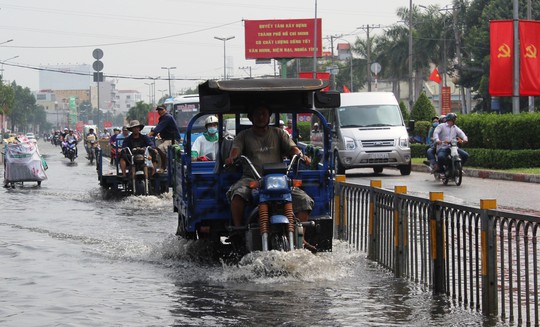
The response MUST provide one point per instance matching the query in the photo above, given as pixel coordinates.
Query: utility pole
(529, 17)
(368, 52)
(411, 99)
(515, 91)
(333, 80)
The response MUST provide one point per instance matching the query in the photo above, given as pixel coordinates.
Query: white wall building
(125, 99)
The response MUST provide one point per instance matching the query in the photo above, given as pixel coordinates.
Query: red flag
(501, 57)
(346, 89)
(529, 67)
(435, 77)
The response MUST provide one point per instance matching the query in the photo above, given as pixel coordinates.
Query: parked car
(147, 129)
(230, 125)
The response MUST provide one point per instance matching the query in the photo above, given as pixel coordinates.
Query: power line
(125, 42)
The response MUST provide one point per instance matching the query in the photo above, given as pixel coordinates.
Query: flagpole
(515, 93)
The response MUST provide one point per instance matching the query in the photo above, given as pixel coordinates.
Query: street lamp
(224, 39)
(169, 74)
(149, 93)
(2, 69)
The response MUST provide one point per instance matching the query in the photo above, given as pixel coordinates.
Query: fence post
(339, 213)
(489, 259)
(437, 243)
(373, 220)
(400, 223)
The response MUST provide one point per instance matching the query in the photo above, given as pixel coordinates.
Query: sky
(139, 37)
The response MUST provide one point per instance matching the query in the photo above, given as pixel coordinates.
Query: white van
(368, 132)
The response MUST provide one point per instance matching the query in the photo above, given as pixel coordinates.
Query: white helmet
(211, 120)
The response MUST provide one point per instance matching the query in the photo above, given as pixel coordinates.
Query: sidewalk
(490, 174)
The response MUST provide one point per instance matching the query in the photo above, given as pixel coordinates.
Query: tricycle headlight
(276, 183)
(349, 143)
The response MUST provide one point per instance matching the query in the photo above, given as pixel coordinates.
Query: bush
(421, 128)
(423, 109)
(503, 159)
(404, 111)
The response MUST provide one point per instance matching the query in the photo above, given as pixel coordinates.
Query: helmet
(210, 120)
(434, 117)
(66, 129)
(281, 123)
(451, 116)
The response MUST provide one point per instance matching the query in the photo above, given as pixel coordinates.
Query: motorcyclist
(91, 140)
(430, 153)
(63, 139)
(264, 144)
(443, 135)
(205, 147)
(112, 143)
(135, 140)
(71, 138)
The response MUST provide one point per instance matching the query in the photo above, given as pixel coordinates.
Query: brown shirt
(268, 148)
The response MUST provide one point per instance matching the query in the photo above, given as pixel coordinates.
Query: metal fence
(481, 258)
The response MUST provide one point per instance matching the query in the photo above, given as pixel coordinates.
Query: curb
(489, 174)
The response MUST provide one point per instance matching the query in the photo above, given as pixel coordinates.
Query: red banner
(501, 57)
(284, 38)
(435, 76)
(529, 40)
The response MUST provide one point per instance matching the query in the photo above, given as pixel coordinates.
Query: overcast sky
(139, 37)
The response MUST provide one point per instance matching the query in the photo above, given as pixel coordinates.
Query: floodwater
(71, 257)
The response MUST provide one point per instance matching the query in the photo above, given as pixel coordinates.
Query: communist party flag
(501, 57)
(346, 89)
(529, 75)
(435, 76)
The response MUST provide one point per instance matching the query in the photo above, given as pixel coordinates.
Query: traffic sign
(97, 53)
(97, 65)
(375, 68)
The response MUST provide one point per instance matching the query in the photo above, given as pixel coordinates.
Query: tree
(23, 107)
(7, 98)
(139, 112)
(423, 109)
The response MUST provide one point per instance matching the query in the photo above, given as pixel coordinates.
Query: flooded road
(70, 257)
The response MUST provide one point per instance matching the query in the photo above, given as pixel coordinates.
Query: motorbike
(91, 147)
(139, 166)
(55, 140)
(452, 167)
(70, 151)
(271, 225)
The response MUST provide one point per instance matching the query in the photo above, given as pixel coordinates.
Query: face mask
(435, 124)
(212, 130)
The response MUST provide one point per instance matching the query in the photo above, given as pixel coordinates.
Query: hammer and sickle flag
(529, 71)
(501, 57)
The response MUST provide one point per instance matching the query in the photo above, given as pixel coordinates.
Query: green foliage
(418, 150)
(304, 130)
(508, 131)
(421, 128)
(7, 98)
(139, 112)
(503, 159)
(23, 108)
(404, 111)
(423, 109)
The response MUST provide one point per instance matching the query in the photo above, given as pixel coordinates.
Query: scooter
(271, 225)
(71, 150)
(453, 169)
(139, 168)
